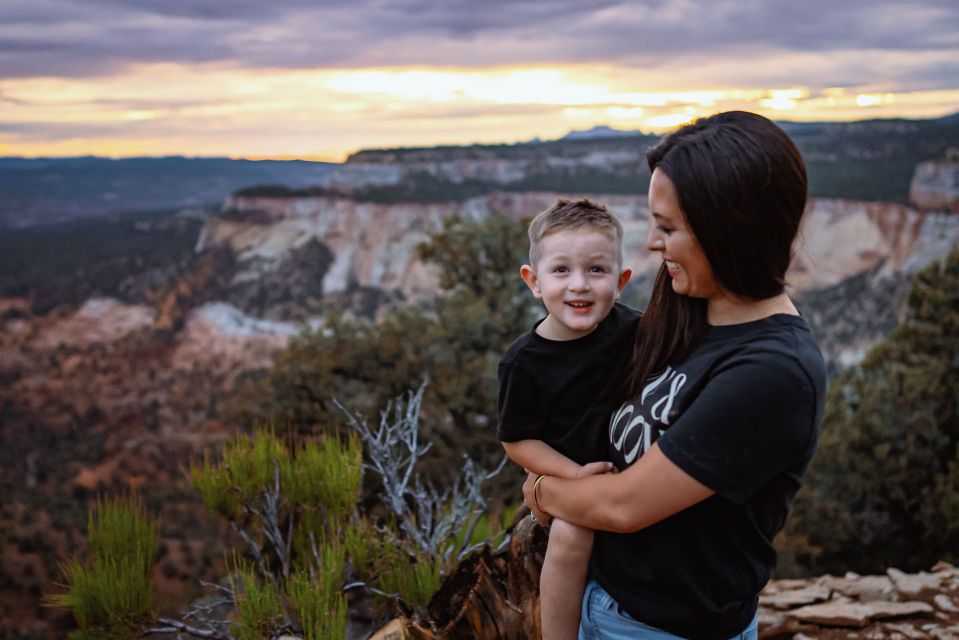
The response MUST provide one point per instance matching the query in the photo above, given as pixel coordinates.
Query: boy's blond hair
(566, 215)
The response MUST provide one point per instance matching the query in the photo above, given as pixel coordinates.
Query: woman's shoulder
(780, 341)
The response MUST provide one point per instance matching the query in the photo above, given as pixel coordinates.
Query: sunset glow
(281, 87)
(170, 109)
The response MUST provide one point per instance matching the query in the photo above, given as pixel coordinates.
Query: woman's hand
(542, 518)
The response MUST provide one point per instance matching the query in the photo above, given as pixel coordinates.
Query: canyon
(121, 391)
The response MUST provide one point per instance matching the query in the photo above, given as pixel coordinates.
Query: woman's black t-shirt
(741, 415)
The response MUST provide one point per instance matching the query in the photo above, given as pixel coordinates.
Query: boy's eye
(560, 269)
(597, 269)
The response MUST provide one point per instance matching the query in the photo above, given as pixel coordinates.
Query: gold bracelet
(536, 495)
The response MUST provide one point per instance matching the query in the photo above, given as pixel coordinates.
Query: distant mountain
(865, 160)
(601, 131)
(38, 191)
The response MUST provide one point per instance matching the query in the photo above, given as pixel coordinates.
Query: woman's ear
(529, 277)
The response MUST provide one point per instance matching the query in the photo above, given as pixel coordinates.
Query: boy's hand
(594, 468)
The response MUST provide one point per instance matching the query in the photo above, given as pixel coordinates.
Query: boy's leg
(563, 579)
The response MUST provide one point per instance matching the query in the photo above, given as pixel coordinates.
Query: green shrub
(110, 595)
(291, 506)
(414, 579)
(327, 475)
(361, 542)
(319, 604)
(488, 529)
(214, 485)
(296, 510)
(257, 607)
(882, 490)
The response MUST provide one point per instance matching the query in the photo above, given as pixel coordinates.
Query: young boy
(559, 384)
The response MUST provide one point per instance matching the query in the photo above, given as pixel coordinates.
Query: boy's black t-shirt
(563, 391)
(741, 415)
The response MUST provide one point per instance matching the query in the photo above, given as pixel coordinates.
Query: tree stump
(487, 597)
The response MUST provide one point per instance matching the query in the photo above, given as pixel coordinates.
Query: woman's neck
(728, 309)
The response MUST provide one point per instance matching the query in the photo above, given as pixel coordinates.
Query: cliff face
(374, 245)
(878, 246)
(387, 168)
(935, 184)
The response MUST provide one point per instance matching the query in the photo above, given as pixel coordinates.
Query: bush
(110, 595)
(296, 508)
(319, 604)
(257, 610)
(883, 488)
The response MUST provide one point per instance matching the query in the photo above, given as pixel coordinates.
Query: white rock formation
(222, 337)
(99, 320)
(935, 184)
(375, 244)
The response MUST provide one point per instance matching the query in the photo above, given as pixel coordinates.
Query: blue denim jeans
(602, 619)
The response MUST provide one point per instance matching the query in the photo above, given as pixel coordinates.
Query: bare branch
(218, 587)
(254, 550)
(393, 450)
(174, 626)
(205, 609)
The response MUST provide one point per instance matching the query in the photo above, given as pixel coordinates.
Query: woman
(725, 397)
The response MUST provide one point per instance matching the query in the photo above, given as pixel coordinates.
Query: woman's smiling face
(670, 236)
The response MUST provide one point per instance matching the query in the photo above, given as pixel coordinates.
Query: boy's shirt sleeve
(519, 416)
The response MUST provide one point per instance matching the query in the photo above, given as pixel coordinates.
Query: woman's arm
(650, 490)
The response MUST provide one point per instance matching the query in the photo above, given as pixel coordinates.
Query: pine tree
(884, 487)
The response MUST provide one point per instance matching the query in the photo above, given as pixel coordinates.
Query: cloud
(92, 37)
(321, 78)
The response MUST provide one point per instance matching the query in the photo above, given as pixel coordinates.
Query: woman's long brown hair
(741, 184)
(669, 327)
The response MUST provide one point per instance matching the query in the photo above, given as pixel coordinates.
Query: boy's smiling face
(578, 277)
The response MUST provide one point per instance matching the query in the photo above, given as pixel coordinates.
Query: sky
(316, 79)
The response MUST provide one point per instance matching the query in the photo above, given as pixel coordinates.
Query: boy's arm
(540, 458)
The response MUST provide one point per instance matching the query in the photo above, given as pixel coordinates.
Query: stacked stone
(895, 606)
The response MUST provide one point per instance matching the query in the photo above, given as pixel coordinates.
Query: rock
(220, 336)
(374, 244)
(394, 630)
(769, 618)
(945, 603)
(950, 633)
(935, 186)
(841, 614)
(778, 625)
(881, 610)
(861, 587)
(907, 630)
(791, 583)
(911, 584)
(796, 597)
(99, 320)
